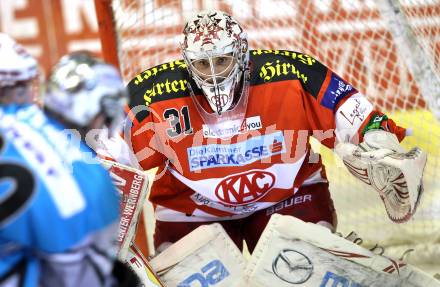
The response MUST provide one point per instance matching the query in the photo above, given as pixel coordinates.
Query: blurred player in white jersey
(58, 213)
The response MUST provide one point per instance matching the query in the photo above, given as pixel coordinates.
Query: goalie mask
(215, 49)
(81, 86)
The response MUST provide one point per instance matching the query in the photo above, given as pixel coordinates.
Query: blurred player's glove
(380, 161)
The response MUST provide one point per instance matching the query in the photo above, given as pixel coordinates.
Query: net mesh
(349, 36)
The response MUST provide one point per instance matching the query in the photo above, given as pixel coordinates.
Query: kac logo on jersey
(231, 128)
(245, 188)
(211, 275)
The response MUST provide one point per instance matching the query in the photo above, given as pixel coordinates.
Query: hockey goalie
(229, 129)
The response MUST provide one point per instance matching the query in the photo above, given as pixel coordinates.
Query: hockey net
(360, 40)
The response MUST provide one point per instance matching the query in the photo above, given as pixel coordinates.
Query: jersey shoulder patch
(280, 65)
(163, 82)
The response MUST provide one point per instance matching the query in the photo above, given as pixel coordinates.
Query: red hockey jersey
(236, 168)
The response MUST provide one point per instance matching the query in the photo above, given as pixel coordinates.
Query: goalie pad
(205, 257)
(132, 184)
(395, 174)
(291, 252)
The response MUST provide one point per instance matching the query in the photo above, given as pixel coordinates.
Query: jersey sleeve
(338, 111)
(144, 139)
(149, 130)
(137, 143)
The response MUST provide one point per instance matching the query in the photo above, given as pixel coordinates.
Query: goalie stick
(136, 260)
(132, 185)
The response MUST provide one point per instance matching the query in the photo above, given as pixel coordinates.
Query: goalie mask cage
(387, 49)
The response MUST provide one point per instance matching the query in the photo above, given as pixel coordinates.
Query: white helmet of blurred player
(215, 49)
(81, 87)
(18, 69)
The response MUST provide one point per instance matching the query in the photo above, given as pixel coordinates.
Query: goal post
(107, 31)
(361, 40)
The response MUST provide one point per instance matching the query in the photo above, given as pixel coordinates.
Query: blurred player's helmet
(81, 86)
(215, 49)
(18, 69)
(16, 65)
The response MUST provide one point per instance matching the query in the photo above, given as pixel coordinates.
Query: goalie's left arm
(366, 139)
(380, 161)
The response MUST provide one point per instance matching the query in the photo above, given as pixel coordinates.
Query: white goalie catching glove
(380, 161)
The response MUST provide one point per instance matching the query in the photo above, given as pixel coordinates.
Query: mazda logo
(292, 266)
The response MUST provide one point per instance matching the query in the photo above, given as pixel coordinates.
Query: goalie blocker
(132, 185)
(381, 162)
